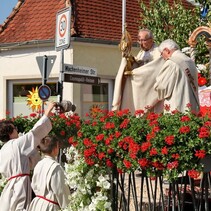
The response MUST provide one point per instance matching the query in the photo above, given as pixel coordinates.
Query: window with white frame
(97, 95)
(20, 100)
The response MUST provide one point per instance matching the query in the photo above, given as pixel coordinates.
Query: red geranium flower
(185, 119)
(153, 152)
(173, 165)
(193, 174)
(200, 153)
(143, 162)
(127, 163)
(33, 115)
(109, 163)
(62, 133)
(184, 129)
(100, 137)
(164, 150)
(202, 81)
(169, 140)
(145, 146)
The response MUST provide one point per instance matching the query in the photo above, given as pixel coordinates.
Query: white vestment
(148, 56)
(177, 83)
(136, 92)
(48, 181)
(16, 156)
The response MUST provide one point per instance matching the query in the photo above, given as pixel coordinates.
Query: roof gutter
(15, 45)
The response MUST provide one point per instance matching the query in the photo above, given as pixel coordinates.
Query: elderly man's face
(144, 41)
(166, 53)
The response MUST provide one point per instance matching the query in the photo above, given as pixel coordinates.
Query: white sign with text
(79, 70)
(63, 20)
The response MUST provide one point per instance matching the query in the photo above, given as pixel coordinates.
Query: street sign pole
(45, 64)
(62, 41)
(61, 75)
(44, 78)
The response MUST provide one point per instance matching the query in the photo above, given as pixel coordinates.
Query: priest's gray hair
(170, 44)
(149, 33)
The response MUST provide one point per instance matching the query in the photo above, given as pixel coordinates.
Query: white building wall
(21, 63)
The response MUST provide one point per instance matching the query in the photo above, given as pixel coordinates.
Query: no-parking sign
(44, 92)
(63, 19)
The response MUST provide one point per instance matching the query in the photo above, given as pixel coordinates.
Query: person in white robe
(135, 91)
(148, 49)
(177, 82)
(16, 158)
(48, 181)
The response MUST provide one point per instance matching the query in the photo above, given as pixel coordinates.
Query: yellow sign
(34, 101)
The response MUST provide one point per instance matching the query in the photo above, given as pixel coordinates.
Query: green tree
(173, 21)
(169, 21)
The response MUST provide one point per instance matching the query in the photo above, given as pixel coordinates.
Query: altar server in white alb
(48, 181)
(15, 159)
(177, 82)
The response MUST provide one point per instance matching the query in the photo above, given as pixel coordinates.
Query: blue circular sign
(44, 92)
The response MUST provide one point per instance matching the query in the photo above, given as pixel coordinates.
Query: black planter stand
(132, 193)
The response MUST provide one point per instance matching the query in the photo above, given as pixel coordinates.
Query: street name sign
(79, 70)
(63, 19)
(81, 79)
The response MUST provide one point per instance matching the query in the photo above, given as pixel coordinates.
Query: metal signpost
(45, 64)
(62, 42)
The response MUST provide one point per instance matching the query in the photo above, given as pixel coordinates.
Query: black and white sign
(81, 79)
(63, 25)
(79, 70)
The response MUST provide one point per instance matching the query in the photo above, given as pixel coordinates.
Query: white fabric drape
(136, 92)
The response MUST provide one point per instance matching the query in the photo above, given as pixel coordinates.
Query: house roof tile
(95, 19)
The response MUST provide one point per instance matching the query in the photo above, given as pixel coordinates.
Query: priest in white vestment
(15, 159)
(149, 50)
(135, 91)
(177, 82)
(168, 80)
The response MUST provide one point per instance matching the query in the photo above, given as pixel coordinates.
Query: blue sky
(6, 7)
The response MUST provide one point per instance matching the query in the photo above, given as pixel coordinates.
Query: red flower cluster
(170, 143)
(204, 74)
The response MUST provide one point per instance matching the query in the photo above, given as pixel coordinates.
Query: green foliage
(25, 123)
(63, 125)
(169, 21)
(173, 22)
(3, 182)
